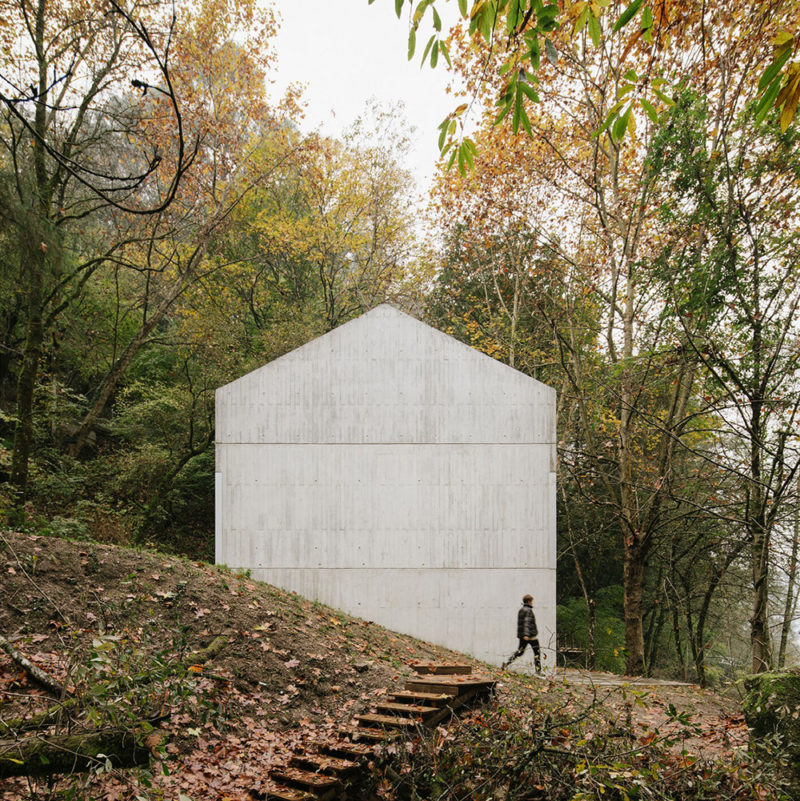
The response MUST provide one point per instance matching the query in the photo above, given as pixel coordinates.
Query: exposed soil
(292, 670)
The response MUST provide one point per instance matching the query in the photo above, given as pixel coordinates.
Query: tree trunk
(633, 579)
(26, 382)
(791, 600)
(759, 622)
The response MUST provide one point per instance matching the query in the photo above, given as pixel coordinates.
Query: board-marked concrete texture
(391, 471)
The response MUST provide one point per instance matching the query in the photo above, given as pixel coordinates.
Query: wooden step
(348, 749)
(369, 734)
(287, 794)
(388, 721)
(321, 763)
(407, 710)
(429, 699)
(441, 668)
(304, 779)
(458, 685)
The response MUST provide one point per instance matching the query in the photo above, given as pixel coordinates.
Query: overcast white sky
(346, 51)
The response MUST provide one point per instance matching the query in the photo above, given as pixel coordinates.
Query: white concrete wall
(390, 471)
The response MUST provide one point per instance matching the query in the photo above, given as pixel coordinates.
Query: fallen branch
(76, 753)
(38, 675)
(206, 654)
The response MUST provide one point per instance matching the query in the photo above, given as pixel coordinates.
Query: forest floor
(292, 671)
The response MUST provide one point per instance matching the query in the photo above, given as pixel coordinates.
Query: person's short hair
(526, 598)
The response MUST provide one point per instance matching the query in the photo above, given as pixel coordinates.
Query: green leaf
(443, 126)
(427, 50)
(535, 54)
(462, 7)
(620, 126)
(773, 69)
(486, 23)
(398, 7)
(595, 30)
(437, 20)
(627, 15)
(650, 109)
(552, 53)
(420, 12)
(631, 75)
(443, 49)
(526, 123)
(609, 119)
(504, 111)
(580, 23)
(513, 16)
(517, 113)
(767, 99)
(435, 54)
(412, 42)
(452, 158)
(647, 19)
(469, 155)
(663, 98)
(529, 91)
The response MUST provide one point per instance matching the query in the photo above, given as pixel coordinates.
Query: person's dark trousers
(537, 657)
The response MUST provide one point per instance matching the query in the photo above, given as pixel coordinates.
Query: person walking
(527, 634)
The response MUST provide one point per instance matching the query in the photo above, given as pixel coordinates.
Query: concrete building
(395, 473)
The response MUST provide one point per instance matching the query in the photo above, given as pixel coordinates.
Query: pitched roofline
(395, 310)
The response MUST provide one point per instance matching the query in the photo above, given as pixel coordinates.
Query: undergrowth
(541, 746)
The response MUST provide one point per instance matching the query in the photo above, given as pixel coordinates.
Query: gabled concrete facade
(393, 472)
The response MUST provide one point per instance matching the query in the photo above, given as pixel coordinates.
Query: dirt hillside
(290, 670)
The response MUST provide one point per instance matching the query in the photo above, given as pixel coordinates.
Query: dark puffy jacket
(526, 623)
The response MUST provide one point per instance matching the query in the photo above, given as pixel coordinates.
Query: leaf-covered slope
(94, 614)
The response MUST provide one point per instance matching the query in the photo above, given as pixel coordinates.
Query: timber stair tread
(428, 699)
(389, 721)
(324, 763)
(304, 779)
(349, 749)
(415, 710)
(288, 794)
(458, 685)
(441, 668)
(368, 733)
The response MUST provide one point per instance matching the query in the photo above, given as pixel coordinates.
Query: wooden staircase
(324, 773)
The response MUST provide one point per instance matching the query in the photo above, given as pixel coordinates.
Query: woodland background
(631, 240)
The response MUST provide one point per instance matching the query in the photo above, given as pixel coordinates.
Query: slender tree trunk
(633, 566)
(34, 250)
(699, 633)
(26, 382)
(791, 599)
(759, 622)
(633, 578)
